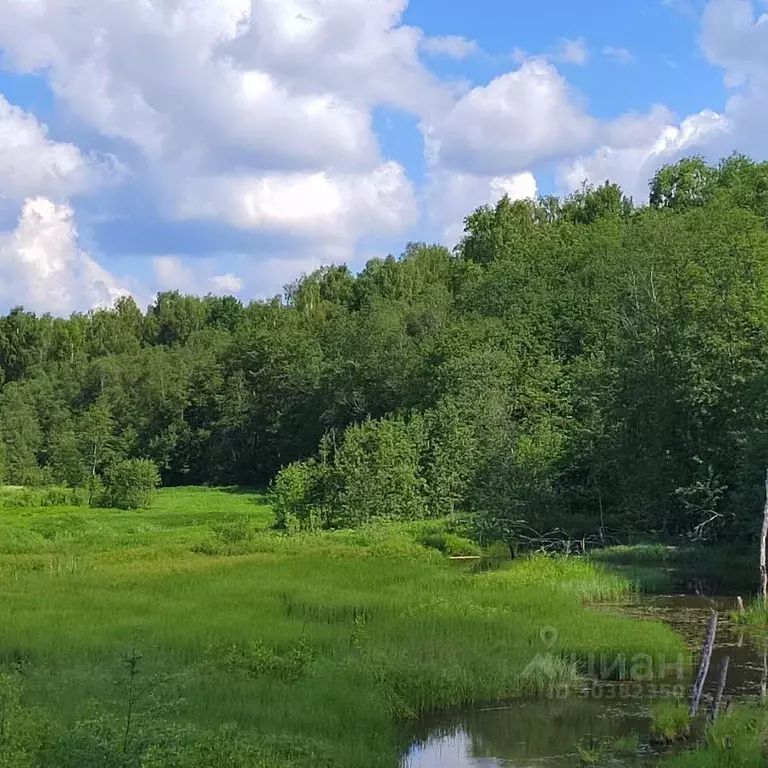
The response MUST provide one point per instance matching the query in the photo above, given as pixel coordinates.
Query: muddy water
(546, 733)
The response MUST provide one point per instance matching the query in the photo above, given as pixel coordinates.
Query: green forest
(585, 364)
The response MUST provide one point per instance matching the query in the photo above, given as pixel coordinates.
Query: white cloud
(619, 55)
(336, 207)
(735, 38)
(357, 48)
(259, 114)
(263, 80)
(43, 267)
(266, 100)
(173, 274)
(519, 119)
(636, 146)
(32, 164)
(572, 52)
(452, 46)
(451, 196)
(227, 284)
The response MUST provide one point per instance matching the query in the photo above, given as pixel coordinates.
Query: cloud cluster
(31, 164)
(43, 267)
(259, 116)
(518, 120)
(636, 146)
(735, 38)
(280, 91)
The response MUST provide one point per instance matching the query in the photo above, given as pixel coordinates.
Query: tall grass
(316, 646)
(739, 740)
(756, 614)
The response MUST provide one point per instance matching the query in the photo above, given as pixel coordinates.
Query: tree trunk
(706, 657)
(715, 709)
(763, 536)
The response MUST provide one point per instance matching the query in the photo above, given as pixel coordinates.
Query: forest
(582, 364)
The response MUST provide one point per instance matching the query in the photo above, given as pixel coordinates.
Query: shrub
(130, 484)
(379, 469)
(298, 496)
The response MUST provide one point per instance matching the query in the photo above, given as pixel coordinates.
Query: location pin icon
(548, 636)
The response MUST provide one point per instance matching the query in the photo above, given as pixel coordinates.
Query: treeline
(582, 362)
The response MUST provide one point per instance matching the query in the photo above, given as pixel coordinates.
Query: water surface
(546, 732)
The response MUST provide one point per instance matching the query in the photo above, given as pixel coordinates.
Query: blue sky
(230, 145)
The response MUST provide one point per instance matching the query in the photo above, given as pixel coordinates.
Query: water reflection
(546, 733)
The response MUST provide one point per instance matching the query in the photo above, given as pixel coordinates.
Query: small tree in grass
(130, 484)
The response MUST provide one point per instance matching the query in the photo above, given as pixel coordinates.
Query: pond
(547, 732)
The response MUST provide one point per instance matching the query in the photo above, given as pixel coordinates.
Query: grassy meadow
(168, 636)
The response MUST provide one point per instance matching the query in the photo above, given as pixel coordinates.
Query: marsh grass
(755, 615)
(739, 740)
(590, 751)
(313, 647)
(670, 721)
(627, 744)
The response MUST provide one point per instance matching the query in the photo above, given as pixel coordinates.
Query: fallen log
(714, 710)
(706, 658)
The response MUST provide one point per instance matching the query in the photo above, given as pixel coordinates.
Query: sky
(229, 146)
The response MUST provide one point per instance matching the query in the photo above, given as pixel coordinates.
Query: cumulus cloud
(632, 148)
(268, 102)
(635, 146)
(43, 267)
(735, 38)
(519, 119)
(359, 49)
(292, 78)
(32, 164)
(451, 196)
(336, 207)
(258, 114)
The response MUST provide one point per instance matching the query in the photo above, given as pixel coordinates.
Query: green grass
(755, 614)
(738, 740)
(306, 651)
(670, 720)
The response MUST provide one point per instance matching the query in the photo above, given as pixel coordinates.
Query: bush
(298, 496)
(378, 465)
(130, 484)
